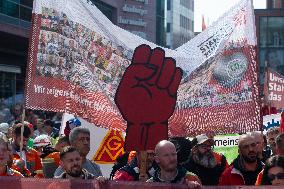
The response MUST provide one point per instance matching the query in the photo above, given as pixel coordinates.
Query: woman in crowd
(273, 173)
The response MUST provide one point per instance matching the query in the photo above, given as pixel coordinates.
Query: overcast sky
(213, 9)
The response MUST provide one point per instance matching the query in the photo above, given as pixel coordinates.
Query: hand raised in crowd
(101, 179)
(98, 181)
(193, 184)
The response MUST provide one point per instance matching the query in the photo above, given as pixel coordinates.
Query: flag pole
(22, 134)
(266, 83)
(143, 165)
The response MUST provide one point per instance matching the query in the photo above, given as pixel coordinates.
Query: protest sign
(77, 58)
(274, 89)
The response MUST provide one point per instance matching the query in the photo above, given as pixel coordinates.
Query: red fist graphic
(146, 97)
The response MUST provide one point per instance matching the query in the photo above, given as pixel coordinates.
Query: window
(186, 23)
(11, 88)
(25, 13)
(186, 3)
(168, 4)
(28, 3)
(271, 44)
(271, 32)
(9, 8)
(168, 27)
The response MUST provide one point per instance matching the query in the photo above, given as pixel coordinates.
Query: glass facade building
(161, 8)
(270, 34)
(180, 22)
(16, 12)
(15, 22)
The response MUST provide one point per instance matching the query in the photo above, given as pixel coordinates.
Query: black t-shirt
(250, 176)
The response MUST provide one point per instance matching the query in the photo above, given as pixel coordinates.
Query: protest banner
(27, 183)
(227, 145)
(77, 58)
(270, 121)
(274, 89)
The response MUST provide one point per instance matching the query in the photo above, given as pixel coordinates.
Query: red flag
(111, 147)
(203, 23)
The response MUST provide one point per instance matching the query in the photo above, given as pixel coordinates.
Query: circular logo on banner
(230, 70)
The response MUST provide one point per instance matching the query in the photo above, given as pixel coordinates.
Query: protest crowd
(44, 153)
(206, 87)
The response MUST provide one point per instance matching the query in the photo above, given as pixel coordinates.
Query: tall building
(15, 23)
(161, 22)
(274, 4)
(136, 16)
(150, 19)
(270, 35)
(180, 22)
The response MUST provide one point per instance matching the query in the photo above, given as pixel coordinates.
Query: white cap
(4, 127)
(203, 138)
(42, 140)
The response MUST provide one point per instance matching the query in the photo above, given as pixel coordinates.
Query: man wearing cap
(40, 142)
(205, 163)
(246, 167)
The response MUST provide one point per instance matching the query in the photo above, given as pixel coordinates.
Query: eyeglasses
(273, 177)
(204, 146)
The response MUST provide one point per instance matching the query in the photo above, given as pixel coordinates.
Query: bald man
(245, 168)
(259, 139)
(169, 171)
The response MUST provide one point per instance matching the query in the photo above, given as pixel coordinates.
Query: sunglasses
(204, 146)
(273, 177)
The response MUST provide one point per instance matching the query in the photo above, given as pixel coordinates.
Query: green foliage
(229, 152)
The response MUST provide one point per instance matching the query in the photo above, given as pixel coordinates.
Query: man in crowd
(80, 139)
(169, 171)
(205, 163)
(28, 161)
(62, 142)
(280, 144)
(271, 135)
(50, 130)
(130, 172)
(5, 157)
(262, 155)
(245, 168)
(39, 127)
(279, 151)
(71, 162)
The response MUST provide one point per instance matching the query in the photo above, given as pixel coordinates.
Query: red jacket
(122, 175)
(32, 159)
(231, 176)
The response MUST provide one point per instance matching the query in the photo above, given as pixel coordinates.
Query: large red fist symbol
(146, 97)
